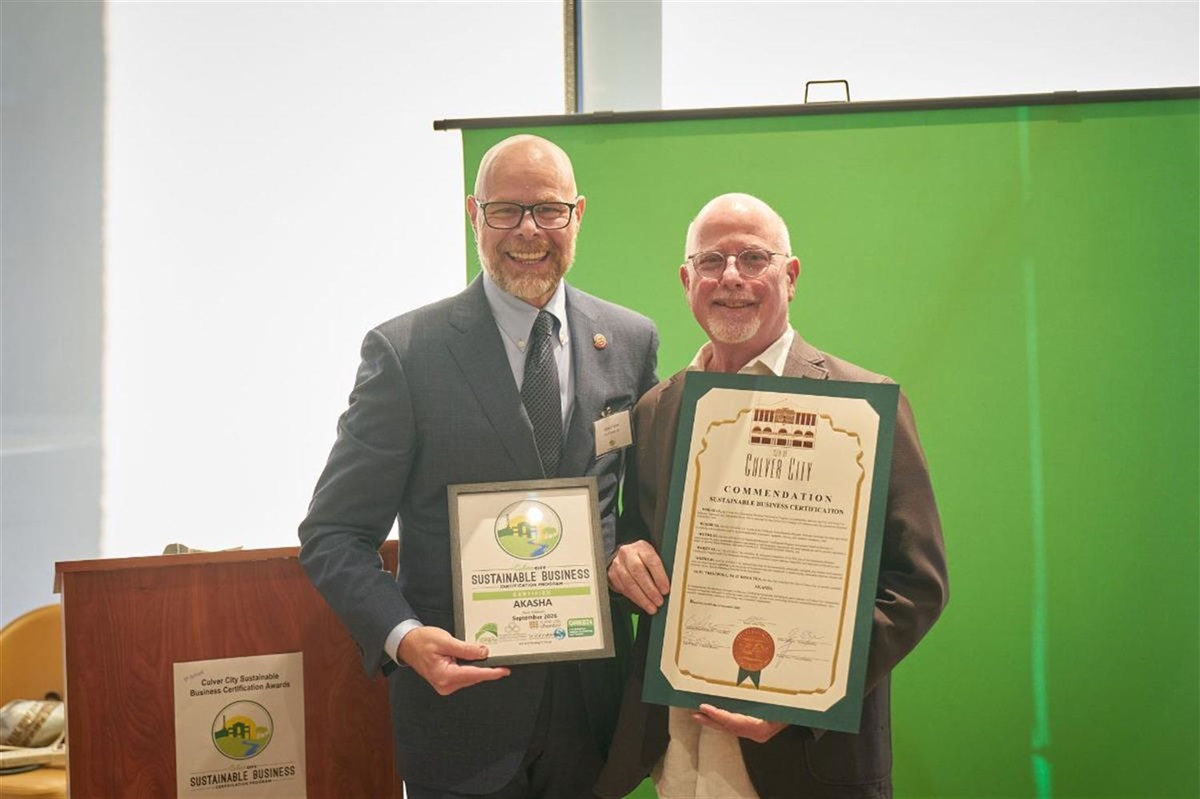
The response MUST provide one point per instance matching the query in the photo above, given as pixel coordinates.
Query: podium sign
(128, 623)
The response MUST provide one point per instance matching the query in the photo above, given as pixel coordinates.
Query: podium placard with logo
(239, 727)
(135, 631)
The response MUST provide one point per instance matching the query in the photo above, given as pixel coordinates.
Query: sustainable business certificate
(777, 500)
(527, 560)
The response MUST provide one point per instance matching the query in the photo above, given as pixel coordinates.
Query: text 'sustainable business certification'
(529, 570)
(778, 493)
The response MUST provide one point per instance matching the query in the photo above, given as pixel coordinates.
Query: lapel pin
(599, 341)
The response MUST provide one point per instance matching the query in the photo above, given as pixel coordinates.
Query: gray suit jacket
(912, 590)
(435, 403)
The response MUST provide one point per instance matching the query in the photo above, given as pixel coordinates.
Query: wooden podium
(128, 621)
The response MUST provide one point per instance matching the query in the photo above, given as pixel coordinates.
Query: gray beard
(525, 287)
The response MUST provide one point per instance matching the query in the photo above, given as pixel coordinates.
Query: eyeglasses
(751, 262)
(547, 216)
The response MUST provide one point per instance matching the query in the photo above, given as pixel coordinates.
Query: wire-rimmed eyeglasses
(547, 216)
(751, 262)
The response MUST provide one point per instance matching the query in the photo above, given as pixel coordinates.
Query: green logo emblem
(488, 631)
(242, 730)
(581, 628)
(528, 529)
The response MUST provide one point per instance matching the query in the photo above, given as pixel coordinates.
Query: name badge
(613, 431)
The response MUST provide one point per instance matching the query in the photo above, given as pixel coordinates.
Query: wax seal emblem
(753, 651)
(599, 341)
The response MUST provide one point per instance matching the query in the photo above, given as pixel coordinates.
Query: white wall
(761, 53)
(274, 189)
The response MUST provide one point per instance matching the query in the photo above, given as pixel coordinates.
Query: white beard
(727, 331)
(727, 326)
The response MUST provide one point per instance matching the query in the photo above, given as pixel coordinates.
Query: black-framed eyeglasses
(547, 216)
(751, 262)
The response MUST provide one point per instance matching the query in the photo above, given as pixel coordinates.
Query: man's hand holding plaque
(637, 572)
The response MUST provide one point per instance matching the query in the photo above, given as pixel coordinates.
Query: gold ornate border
(850, 550)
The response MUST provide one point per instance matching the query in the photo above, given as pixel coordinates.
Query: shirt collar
(770, 361)
(515, 317)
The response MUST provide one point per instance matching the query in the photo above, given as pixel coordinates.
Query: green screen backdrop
(1029, 272)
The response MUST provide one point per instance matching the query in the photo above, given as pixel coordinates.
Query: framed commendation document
(772, 543)
(528, 565)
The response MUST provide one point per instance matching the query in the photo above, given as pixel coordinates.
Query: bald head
(738, 211)
(741, 315)
(524, 153)
(527, 259)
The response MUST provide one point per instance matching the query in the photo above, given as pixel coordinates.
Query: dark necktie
(540, 393)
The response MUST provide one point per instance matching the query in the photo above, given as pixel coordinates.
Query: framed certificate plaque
(772, 543)
(528, 565)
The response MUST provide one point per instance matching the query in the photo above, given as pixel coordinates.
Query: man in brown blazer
(739, 277)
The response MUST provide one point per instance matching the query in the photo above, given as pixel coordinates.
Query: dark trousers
(563, 759)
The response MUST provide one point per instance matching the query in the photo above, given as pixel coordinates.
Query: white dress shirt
(701, 762)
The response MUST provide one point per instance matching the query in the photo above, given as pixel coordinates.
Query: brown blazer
(912, 590)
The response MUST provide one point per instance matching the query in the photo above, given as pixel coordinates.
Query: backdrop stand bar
(743, 112)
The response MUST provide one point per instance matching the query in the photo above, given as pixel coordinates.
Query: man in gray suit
(739, 277)
(442, 397)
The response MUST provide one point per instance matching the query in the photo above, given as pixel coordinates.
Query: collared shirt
(701, 762)
(768, 362)
(514, 318)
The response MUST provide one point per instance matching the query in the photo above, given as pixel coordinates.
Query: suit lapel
(587, 370)
(480, 356)
(663, 427)
(804, 360)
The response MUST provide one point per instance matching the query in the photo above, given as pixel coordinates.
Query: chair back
(31, 655)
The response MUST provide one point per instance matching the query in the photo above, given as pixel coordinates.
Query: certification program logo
(242, 730)
(528, 529)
